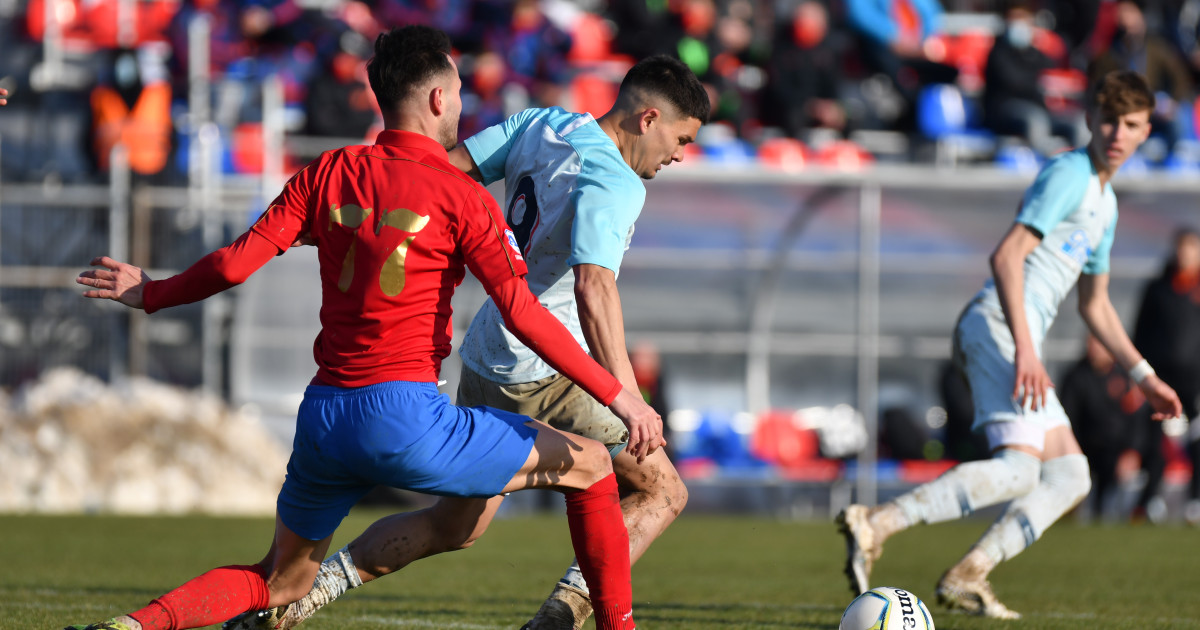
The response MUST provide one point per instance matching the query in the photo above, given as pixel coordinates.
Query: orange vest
(145, 130)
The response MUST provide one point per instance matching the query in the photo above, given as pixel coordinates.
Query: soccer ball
(886, 608)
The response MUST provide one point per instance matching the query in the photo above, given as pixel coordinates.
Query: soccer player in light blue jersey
(575, 189)
(1061, 238)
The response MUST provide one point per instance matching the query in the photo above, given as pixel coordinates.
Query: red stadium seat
(591, 40)
(592, 94)
(786, 154)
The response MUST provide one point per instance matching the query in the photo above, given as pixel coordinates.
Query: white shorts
(984, 350)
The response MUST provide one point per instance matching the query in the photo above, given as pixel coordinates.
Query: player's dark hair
(671, 80)
(1122, 92)
(405, 59)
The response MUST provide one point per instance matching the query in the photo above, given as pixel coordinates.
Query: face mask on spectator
(1020, 34)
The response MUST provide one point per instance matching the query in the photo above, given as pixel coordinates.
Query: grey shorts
(555, 400)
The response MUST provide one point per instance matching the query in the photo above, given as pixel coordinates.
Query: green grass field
(706, 573)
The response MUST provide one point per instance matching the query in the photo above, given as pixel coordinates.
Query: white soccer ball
(886, 608)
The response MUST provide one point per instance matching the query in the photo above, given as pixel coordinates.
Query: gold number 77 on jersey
(391, 277)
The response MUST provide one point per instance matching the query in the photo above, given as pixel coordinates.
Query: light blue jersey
(572, 200)
(1077, 220)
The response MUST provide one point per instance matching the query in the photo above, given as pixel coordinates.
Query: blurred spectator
(644, 28)
(1168, 336)
(131, 106)
(803, 74)
(1135, 47)
(484, 102)
(1181, 19)
(962, 444)
(892, 36)
(1013, 99)
(1107, 409)
(338, 102)
(648, 372)
(534, 50)
(1075, 21)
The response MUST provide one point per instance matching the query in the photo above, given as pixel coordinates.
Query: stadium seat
(844, 155)
(731, 151)
(786, 154)
(1018, 158)
(592, 94)
(950, 120)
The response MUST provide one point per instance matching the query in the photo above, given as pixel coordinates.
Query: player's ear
(650, 115)
(437, 102)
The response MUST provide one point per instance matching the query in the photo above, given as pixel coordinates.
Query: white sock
(574, 578)
(970, 486)
(1065, 482)
(336, 576)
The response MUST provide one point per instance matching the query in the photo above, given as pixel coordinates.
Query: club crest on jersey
(1077, 247)
(512, 243)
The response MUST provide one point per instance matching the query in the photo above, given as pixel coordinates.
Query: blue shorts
(399, 434)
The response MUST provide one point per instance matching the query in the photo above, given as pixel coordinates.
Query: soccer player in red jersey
(394, 224)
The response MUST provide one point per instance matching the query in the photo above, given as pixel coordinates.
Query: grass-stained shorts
(555, 400)
(400, 434)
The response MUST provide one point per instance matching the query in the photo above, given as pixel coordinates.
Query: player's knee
(680, 497)
(1025, 471)
(1071, 475)
(674, 493)
(593, 461)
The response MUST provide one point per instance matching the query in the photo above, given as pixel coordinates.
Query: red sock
(211, 598)
(602, 548)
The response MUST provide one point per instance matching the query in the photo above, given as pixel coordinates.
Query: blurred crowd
(791, 81)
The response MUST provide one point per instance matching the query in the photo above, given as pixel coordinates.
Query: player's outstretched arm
(216, 272)
(115, 280)
(1097, 311)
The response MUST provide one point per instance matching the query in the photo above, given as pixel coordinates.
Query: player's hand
(303, 240)
(1162, 398)
(644, 424)
(117, 281)
(1032, 381)
(3, 94)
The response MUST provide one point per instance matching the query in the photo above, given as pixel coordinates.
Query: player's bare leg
(653, 495)
(395, 541)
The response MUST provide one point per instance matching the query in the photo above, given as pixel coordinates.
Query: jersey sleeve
(1097, 263)
(289, 214)
(605, 211)
(1056, 193)
(489, 148)
(489, 247)
(225, 268)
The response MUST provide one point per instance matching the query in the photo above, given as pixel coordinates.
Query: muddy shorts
(555, 400)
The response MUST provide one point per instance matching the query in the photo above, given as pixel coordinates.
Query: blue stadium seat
(951, 121)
